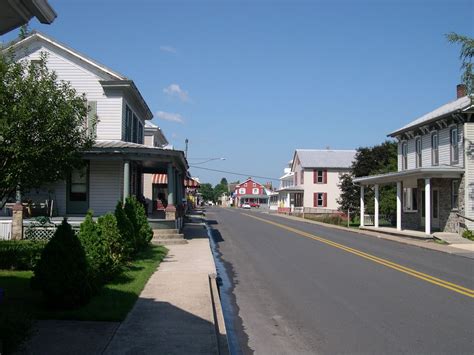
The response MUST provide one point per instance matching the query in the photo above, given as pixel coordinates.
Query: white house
(435, 177)
(315, 179)
(119, 157)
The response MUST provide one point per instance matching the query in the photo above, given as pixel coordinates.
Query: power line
(233, 173)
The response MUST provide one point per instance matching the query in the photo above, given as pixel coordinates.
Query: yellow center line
(428, 278)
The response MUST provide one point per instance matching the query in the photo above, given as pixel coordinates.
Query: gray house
(435, 177)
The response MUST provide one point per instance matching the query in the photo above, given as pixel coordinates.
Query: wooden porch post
(126, 180)
(170, 210)
(362, 205)
(376, 206)
(428, 206)
(399, 205)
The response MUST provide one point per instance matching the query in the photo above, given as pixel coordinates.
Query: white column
(427, 206)
(399, 205)
(126, 179)
(376, 206)
(362, 205)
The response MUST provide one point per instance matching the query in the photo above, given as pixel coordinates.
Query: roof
(419, 173)
(113, 78)
(15, 13)
(154, 129)
(458, 105)
(325, 158)
(287, 176)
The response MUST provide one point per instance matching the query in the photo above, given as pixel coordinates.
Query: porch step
(168, 241)
(452, 238)
(169, 236)
(164, 231)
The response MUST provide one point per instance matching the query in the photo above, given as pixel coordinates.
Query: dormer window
(454, 140)
(418, 148)
(404, 155)
(434, 149)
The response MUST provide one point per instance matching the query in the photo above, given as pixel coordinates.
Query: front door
(78, 191)
(434, 208)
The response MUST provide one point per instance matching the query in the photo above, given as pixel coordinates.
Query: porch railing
(5, 230)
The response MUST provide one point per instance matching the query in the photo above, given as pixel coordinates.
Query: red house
(250, 192)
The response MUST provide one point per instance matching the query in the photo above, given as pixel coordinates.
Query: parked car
(246, 206)
(254, 204)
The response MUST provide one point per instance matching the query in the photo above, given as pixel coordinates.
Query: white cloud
(174, 90)
(168, 116)
(168, 49)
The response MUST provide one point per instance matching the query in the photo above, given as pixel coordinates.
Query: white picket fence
(5, 230)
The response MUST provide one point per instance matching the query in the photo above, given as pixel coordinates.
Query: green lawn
(112, 303)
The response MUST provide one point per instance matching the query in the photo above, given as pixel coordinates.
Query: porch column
(362, 205)
(170, 210)
(428, 206)
(376, 206)
(399, 205)
(126, 180)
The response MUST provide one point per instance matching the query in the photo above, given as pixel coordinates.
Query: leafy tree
(466, 55)
(207, 192)
(224, 182)
(219, 190)
(40, 116)
(379, 159)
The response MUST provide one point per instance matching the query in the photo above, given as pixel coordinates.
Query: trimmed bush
(118, 247)
(137, 216)
(125, 228)
(62, 272)
(99, 260)
(468, 234)
(20, 254)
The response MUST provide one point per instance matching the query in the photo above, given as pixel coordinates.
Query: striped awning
(163, 179)
(159, 179)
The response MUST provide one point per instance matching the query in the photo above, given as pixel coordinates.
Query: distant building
(250, 192)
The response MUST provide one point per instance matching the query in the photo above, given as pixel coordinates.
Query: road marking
(428, 278)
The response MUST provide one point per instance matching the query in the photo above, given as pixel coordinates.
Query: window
(455, 195)
(135, 129)
(320, 177)
(78, 186)
(418, 148)
(128, 124)
(454, 145)
(404, 155)
(410, 199)
(320, 199)
(434, 149)
(255, 191)
(242, 191)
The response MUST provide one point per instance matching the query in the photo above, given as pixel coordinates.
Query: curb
(221, 332)
(386, 236)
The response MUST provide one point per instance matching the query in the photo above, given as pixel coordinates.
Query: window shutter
(315, 176)
(325, 199)
(315, 199)
(325, 176)
(91, 118)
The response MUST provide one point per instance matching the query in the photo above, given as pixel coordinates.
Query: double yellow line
(422, 276)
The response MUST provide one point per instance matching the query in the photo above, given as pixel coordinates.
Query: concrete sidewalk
(174, 314)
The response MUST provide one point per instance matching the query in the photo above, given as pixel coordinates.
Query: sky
(251, 81)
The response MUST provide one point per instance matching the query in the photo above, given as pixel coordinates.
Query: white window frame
(404, 154)
(255, 189)
(419, 152)
(320, 179)
(241, 191)
(320, 199)
(454, 144)
(434, 149)
(455, 195)
(410, 199)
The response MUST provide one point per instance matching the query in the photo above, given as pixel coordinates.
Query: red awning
(191, 183)
(159, 179)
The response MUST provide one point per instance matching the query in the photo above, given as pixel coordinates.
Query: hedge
(20, 254)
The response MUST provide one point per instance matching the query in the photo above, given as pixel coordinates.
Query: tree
(379, 159)
(207, 192)
(224, 182)
(43, 126)
(466, 55)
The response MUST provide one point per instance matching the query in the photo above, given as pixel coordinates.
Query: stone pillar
(428, 206)
(17, 221)
(399, 205)
(170, 210)
(376, 206)
(362, 205)
(126, 180)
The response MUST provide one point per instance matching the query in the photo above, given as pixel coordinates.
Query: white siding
(469, 175)
(105, 185)
(109, 106)
(426, 150)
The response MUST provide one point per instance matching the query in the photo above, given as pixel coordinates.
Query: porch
(289, 199)
(427, 200)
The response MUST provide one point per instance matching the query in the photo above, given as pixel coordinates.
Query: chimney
(461, 90)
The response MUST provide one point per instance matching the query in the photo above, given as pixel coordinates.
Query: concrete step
(169, 236)
(165, 231)
(168, 241)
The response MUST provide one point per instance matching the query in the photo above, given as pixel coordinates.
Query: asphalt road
(291, 294)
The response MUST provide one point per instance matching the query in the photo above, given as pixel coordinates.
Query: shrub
(135, 211)
(468, 234)
(99, 259)
(117, 246)
(62, 272)
(125, 228)
(20, 254)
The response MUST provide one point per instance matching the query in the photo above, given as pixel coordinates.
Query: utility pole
(186, 141)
